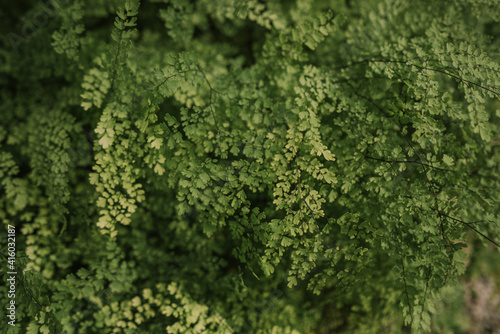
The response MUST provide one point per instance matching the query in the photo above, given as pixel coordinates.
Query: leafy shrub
(234, 166)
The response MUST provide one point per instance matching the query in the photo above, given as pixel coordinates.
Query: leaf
(83, 273)
(328, 155)
(448, 160)
(267, 268)
(159, 169)
(330, 177)
(292, 281)
(157, 143)
(204, 177)
(32, 328)
(86, 105)
(105, 141)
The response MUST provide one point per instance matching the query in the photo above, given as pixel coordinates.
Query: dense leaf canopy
(259, 166)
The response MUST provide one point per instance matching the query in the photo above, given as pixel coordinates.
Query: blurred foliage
(250, 166)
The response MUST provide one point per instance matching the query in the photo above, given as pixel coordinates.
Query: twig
(213, 112)
(469, 225)
(410, 161)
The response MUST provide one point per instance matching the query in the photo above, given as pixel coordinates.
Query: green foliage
(233, 166)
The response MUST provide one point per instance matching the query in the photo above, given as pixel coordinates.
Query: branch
(317, 226)
(469, 225)
(406, 62)
(456, 77)
(167, 78)
(413, 162)
(212, 110)
(116, 60)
